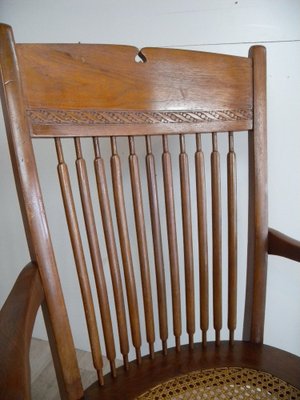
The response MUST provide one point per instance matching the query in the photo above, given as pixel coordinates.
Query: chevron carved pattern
(98, 117)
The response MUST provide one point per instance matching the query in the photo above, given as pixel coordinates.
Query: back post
(34, 219)
(258, 217)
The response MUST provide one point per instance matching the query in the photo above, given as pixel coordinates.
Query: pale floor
(43, 379)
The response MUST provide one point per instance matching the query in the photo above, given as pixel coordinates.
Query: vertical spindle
(202, 237)
(97, 265)
(115, 273)
(112, 248)
(79, 257)
(142, 243)
(157, 245)
(232, 238)
(172, 240)
(217, 237)
(187, 240)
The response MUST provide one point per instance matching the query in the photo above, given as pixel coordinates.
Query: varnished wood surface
(258, 205)
(90, 90)
(139, 218)
(216, 236)
(102, 87)
(187, 240)
(172, 240)
(43, 380)
(202, 237)
(108, 78)
(17, 318)
(114, 263)
(152, 372)
(232, 237)
(125, 246)
(40, 129)
(283, 245)
(34, 218)
(79, 256)
(157, 244)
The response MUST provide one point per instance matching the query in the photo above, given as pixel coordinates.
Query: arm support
(282, 245)
(17, 318)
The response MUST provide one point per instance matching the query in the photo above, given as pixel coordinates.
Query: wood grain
(34, 217)
(162, 368)
(258, 205)
(96, 258)
(157, 245)
(79, 258)
(202, 238)
(120, 209)
(283, 245)
(232, 238)
(100, 90)
(216, 236)
(187, 241)
(172, 240)
(43, 380)
(17, 317)
(108, 78)
(142, 244)
(114, 262)
(101, 86)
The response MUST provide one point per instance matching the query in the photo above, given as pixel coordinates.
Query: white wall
(210, 25)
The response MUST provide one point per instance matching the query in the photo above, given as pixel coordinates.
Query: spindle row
(127, 298)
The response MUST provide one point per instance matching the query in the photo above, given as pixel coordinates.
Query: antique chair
(76, 93)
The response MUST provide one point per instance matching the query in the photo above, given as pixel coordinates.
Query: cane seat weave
(223, 383)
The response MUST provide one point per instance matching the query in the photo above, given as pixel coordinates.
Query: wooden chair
(77, 93)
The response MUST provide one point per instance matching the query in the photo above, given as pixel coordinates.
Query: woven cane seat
(223, 383)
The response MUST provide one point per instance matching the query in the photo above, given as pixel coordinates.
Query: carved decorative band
(97, 117)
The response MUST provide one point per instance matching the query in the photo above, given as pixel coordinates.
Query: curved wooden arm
(17, 318)
(282, 245)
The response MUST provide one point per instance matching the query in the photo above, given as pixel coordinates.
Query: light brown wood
(97, 265)
(43, 379)
(67, 61)
(17, 318)
(172, 241)
(232, 238)
(34, 219)
(216, 236)
(142, 244)
(202, 238)
(145, 94)
(79, 256)
(283, 245)
(113, 256)
(92, 236)
(157, 245)
(258, 212)
(94, 90)
(122, 226)
(137, 381)
(188, 241)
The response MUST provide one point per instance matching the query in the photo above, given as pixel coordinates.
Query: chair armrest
(17, 318)
(283, 245)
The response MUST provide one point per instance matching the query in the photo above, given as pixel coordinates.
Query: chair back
(140, 112)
